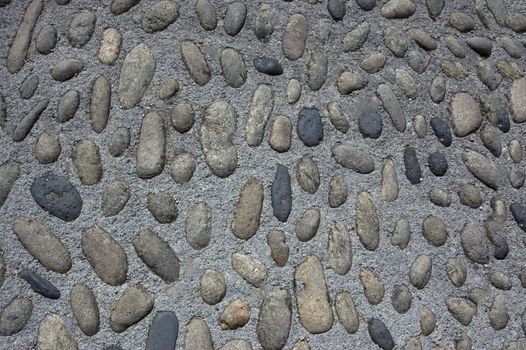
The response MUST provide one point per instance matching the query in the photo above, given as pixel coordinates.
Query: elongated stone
(235, 16)
(461, 309)
(413, 172)
(39, 284)
(482, 168)
(274, 319)
(281, 134)
(136, 74)
(339, 249)
(151, 149)
(347, 312)
(294, 37)
(66, 69)
(157, 254)
(307, 174)
(355, 39)
(87, 161)
(115, 197)
(337, 117)
(260, 110)
(518, 100)
(85, 309)
(250, 269)
(307, 224)
(198, 335)
(317, 70)
(373, 287)
(133, 305)
(16, 56)
(68, 106)
(56, 195)
(216, 136)
(9, 173)
(279, 250)
(265, 21)
(53, 334)
(46, 39)
(314, 309)
(248, 209)
(420, 271)
(15, 315)
(195, 62)
(100, 103)
(309, 127)
(281, 194)
(392, 106)
(42, 244)
(389, 181)
(475, 243)
(163, 332)
(26, 124)
(394, 9)
(233, 67)
(118, 7)
(159, 16)
(110, 46)
(198, 226)
(81, 28)
(367, 221)
(353, 158)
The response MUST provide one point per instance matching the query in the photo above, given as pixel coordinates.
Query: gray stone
(168, 89)
(233, 67)
(46, 39)
(163, 332)
(367, 221)
(501, 280)
(294, 37)
(110, 46)
(309, 127)
(349, 82)
(517, 99)
(455, 46)
(68, 106)
(339, 249)
(389, 181)
(248, 209)
(439, 197)
(418, 60)
(481, 45)
(337, 118)
(353, 158)
(131, 307)
(515, 150)
(198, 335)
(119, 7)
(15, 316)
(482, 168)
(182, 116)
(151, 149)
(401, 299)
(435, 7)
(115, 197)
(183, 167)
(491, 138)
(401, 233)
(406, 82)
(373, 63)
(136, 75)
(373, 287)
(338, 191)
(163, 207)
(264, 26)
(461, 309)
(198, 226)
(396, 41)
(250, 269)
(212, 287)
(510, 46)
(498, 9)
(378, 332)
(420, 271)
(392, 106)
(119, 141)
(413, 172)
(437, 90)
(423, 39)
(475, 244)
(307, 174)
(427, 321)
(235, 16)
(354, 40)
(100, 103)
(29, 86)
(347, 312)
(66, 69)
(53, 334)
(366, 5)
(465, 113)
(307, 224)
(26, 124)
(487, 74)
(54, 194)
(47, 149)
(398, 9)
(293, 91)
(281, 134)
(516, 22)
(81, 28)
(461, 22)
(517, 178)
(279, 250)
(274, 319)
(434, 230)
(420, 126)
(469, 195)
(260, 110)
(316, 70)
(159, 16)
(87, 161)
(85, 309)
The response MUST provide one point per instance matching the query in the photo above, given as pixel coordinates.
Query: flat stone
(198, 226)
(481, 45)
(29, 86)
(46, 39)
(389, 181)
(183, 167)
(250, 269)
(423, 39)
(396, 41)
(413, 172)
(495, 110)
(163, 331)
(349, 82)
(392, 106)
(119, 7)
(15, 315)
(259, 113)
(281, 194)
(461, 22)
(9, 173)
(339, 249)
(42, 244)
(519, 214)
(373, 287)
(235, 315)
(131, 307)
(437, 90)
(233, 67)
(515, 150)
(309, 127)
(281, 134)
(510, 46)
(435, 7)
(47, 149)
(274, 319)
(394, 9)
(401, 299)
(307, 174)
(136, 75)
(401, 233)
(26, 124)
(420, 271)
(316, 70)
(427, 321)
(159, 16)
(469, 195)
(482, 168)
(354, 40)
(53, 334)
(248, 209)
(406, 82)
(66, 69)
(516, 22)
(268, 65)
(438, 164)
(81, 28)
(294, 37)
(168, 89)
(338, 191)
(367, 221)
(307, 224)
(373, 63)
(198, 335)
(85, 309)
(475, 244)
(293, 91)
(68, 106)
(115, 197)
(162, 206)
(353, 158)
(236, 14)
(87, 161)
(488, 75)
(157, 254)
(264, 26)
(100, 102)
(442, 131)
(56, 195)
(498, 9)
(110, 46)
(2, 269)
(279, 250)
(517, 98)
(366, 5)
(434, 230)
(212, 287)
(454, 70)
(461, 309)
(456, 47)
(310, 288)
(105, 255)
(151, 149)
(465, 113)
(39, 284)
(500, 280)
(336, 9)
(347, 312)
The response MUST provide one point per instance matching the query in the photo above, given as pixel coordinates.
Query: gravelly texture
(221, 194)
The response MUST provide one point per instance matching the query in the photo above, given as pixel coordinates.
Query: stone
(198, 335)
(260, 110)
(495, 111)
(517, 178)
(456, 47)
(401, 299)
(26, 124)
(2, 269)
(510, 46)
(280, 135)
(517, 98)
(389, 181)
(437, 90)
(15, 316)
(427, 321)
(250, 269)
(235, 315)
(434, 230)
(392, 106)
(469, 195)
(162, 206)
(366, 5)
(268, 65)
(481, 45)
(498, 9)
(442, 131)
(168, 89)
(47, 149)
(456, 271)
(85, 309)
(354, 40)
(29, 86)
(81, 28)
(309, 127)
(294, 37)
(157, 254)
(198, 226)
(279, 250)
(53, 335)
(453, 70)
(182, 117)
(349, 82)
(131, 307)
(515, 150)
(423, 39)
(475, 244)
(159, 16)
(46, 39)
(233, 67)
(406, 82)
(438, 164)
(378, 332)
(420, 271)
(487, 74)
(236, 344)
(87, 162)
(482, 168)
(151, 148)
(316, 70)
(516, 22)
(56, 195)
(373, 287)
(413, 344)
(136, 75)
(353, 158)
(115, 198)
(347, 312)
(105, 255)
(212, 287)
(420, 126)
(183, 167)
(465, 113)
(66, 69)
(39, 284)
(461, 22)
(248, 209)
(307, 174)
(435, 7)
(264, 26)
(413, 172)
(293, 91)
(236, 14)
(281, 194)
(401, 233)
(100, 103)
(339, 249)
(118, 7)
(314, 309)
(68, 106)
(519, 214)
(274, 319)
(42, 244)
(394, 9)
(439, 197)
(110, 46)
(338, 191)
(501, 281)
(373, 63)
(16, 57)
(163, 332)
(396, 41)
(367, 221)
(336, 9)
(461, 309)
(307, 224)
(418, 60)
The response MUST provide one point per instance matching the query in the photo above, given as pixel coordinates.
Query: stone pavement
(306, 174)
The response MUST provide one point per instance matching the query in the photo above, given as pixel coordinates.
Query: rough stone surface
(136, 74)
(157, 254)
(132, 306)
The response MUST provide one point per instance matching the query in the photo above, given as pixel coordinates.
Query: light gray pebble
(110, 46)
(15, 316)
(293, 91)
(401, 299)
(119, 7)
(420, 271)
(235, 16)
(367, 221)
(373, 287)
(427, 321)
(349, 82)
(195, 62)
(81, 28)
(355, 39)
(482, 168)
(66, 69)
(515, 150)
(516, 22)
(294, 37)
(401, 233)
(157, 254)
(339, 249)
(261, 107)
(439, 197)
(68, 106)
(119, 141)
(456, 47)
(183, 167)
(396, 41)
(307, 174)
(183, 116)
(159, 16)
(491, 137)
(198, 226)
(47, 149)
(420, 126)
(475, 244)
(510, 46)
(498, 313)
(337, 117)
(29, 86)
(316, 70)
(398, 9)
(392, 106)
(162, 206)
(469, 195)
(406, 82)
(461, 22)
(373, 63)
(46, 39)
(347, 312)
(233, 67)
(307, 224)
(53, 334)
(434, 230)
(100, 103)
(353, 158)
(115, 198)
(461, 309)
(168, 89)
(389, 181)
(500, 280)
(212, 286)
(517, 177)
(136, 75)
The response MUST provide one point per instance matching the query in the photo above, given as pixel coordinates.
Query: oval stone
(56, 195)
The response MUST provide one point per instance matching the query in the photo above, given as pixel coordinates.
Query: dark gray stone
(412, 166)
(380, 334)
(119, 7)
(366, 5)
(435, 7)
(281, 194)
(309, 127)
(66, 69)
(46, 39)
(163, 332)
(268, 65)
(442, 131)
(519, 214)
(39, 284)
(336, 9)
(56, 195)
(437, 162)
(481, 45)
(234, 21)
(26, 124)
(29, 86)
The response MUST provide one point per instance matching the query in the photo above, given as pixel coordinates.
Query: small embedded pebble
(110, 46)
(439, 197)
(438, 164)
(26, 124)
(235, 315)
(420, 126)
(264, 25)
(248, 209)
(442, 131)
(349, 82)
(366, 5)
(437, 90)
(401, 233)
(281, 194)
(68, 106)
(515, 150)
(233, 67)
(427, 321)
(39, 284)
(501, 281)
(235, 16)
(307, 224)
(131, 307)
(274, 320)
(401, 299)
(183, 167)
(456, 271)
(309, 127)
(279, 250)
(373, 287)
(294, 37)
(15, 315)
(198, 226)
(519, 214)
(517, 177)
(398, 9)
(481, 45)
(66, 69)
(159, 16)
(163, 332)
(466, 116)
(100, 103)
(316, 70)
(475, 244)
(339, 249)
(87, 161)
(293, 91)
(119, 141)
(454, 70)
(260, 109)
(482, 168)
(151, 148)
(198, 335)
(182, 117)
(406, 82)
(46, 39)
(461, 309)
(516, 22)
(413, 172)
(367, 221)
(498, 313)
(136, 75)
(379, 333)
(119, 7)
(168, 89)
(495, 111)
(347, 312)
(212, 287)
(47, 149)
(85, 309)
(510, 46)
(420, 271)
(423, 38)
(488, 75)
(195, 62)
(162, 206)
(268, 65)
(373, 63)
(469, 195)
(81, 28)
(307, 174)
(250, 269)
(461, 22)
(392, 106)
(396, 41)
(456, 47)
(356, 38)
(336, 9)
(280, 135)
(353, 158)
(517, 97)
(434, 230)
(389, 181)
(29, 86)
(53, 334)
(57, 196)
(418, 60)
(337, 117)
(338, 191)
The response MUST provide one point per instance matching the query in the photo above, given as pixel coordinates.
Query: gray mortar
(221, 195)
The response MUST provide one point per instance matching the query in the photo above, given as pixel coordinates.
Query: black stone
(268, 65)
(501, 249)
(380, 334)
(503, 121)
(39, 284)
(437, 163)
(56, 195)
(26, 124)
(519, 214)
(412, 166)
(366, 5)
(336, 9)
(281, 194)
(163, 331)
(309, 127)
(442, 131)
(370, 123)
